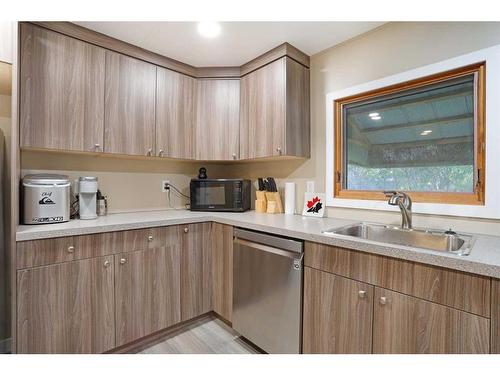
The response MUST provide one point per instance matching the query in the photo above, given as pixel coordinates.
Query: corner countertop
(484, 258)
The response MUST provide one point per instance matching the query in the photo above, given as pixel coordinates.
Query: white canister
(87, 191)
(290, 198)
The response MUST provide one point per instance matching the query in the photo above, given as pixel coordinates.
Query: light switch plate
(310, 187)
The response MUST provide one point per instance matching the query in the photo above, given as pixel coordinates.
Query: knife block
(277, 208)
(261, 202)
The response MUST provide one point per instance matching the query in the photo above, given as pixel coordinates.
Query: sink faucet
(403, 200)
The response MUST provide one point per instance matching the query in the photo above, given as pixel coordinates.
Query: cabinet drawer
(63, 249)
(144, 239)
(456, 289)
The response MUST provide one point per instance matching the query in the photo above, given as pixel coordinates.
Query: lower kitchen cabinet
(222, 270)
(66, 308)
(337, 314)
(196, 270)
(495, 316)
(147, 292)
(405, 324)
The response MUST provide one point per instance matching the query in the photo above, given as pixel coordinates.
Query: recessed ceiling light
(374, 114)
(375, 117)
(426, 132)
(209, 29)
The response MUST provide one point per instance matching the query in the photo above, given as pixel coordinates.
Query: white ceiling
(238, 42)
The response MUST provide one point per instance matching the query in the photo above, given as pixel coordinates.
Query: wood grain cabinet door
(175, 114)
(409, 325)
(337, 314)
(196, 270)
(62, 91)
(297, 126)
(129, 123)
(66, 308)
(222, 270)
(147, 292)
(263, 111)
(217, 119)
(495, 316)
(274, 106)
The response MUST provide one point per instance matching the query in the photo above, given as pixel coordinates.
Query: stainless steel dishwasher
(267, 290)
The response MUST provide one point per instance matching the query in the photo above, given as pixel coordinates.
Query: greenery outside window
(425, 137)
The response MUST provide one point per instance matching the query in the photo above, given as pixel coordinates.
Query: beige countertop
(484, 258)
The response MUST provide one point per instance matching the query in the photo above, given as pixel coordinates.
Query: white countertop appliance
(87, 197)
(46, 198)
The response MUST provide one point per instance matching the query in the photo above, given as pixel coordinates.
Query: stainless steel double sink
(443, 241)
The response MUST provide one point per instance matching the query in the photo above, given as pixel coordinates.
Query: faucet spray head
(393, 197)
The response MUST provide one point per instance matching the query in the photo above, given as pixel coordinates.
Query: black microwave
(220, 195)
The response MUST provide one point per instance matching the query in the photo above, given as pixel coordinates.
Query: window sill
(467, 199)
(478, 211)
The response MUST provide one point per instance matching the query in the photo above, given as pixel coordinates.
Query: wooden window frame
(477, 197)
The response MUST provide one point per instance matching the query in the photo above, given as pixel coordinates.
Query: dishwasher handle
(269, 249)
(286, 244)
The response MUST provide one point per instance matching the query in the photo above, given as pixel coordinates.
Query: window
(424, 137)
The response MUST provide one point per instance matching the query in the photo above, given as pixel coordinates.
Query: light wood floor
(206, 336)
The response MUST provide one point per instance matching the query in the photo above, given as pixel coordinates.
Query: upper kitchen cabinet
(81, 91)
(175, 114)
(129, 122)
(62, 91)
(274, 119)
(217, 119)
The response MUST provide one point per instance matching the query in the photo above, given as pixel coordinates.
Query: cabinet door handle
(71, 249)
(106, 264)
(150, 238)
(383, 300)
(186, 229)
(362, 294)
(123, 261)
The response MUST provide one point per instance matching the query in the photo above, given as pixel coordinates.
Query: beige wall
(390, 49)
(130, 184)
(5, 132)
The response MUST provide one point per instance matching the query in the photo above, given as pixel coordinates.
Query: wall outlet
(164, 185)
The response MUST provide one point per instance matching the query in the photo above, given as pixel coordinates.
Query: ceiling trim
(231, 72)
(285, 49)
